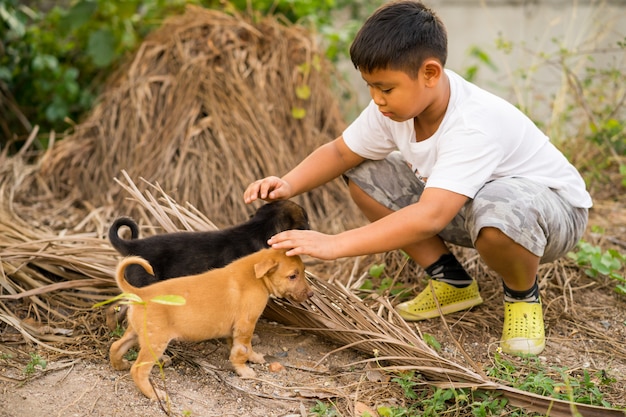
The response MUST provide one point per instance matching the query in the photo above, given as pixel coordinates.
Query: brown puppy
(221, 303)
(180, 254)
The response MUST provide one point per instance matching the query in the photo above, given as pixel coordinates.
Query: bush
(53, 63)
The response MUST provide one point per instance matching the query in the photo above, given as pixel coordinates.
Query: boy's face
(397, 95)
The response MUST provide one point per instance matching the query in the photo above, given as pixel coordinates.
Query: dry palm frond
(338, 314)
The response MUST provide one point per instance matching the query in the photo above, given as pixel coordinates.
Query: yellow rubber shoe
(523, 332)
(450, 298)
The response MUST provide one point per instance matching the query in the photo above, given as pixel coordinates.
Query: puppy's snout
(305, 293)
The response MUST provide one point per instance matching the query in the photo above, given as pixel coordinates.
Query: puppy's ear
(265, 267)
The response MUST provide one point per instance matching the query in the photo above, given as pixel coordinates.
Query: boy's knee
(490, 236)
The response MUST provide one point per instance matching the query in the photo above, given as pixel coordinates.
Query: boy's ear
(432, 71)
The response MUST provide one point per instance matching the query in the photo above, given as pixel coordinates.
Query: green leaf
(298, 113)
(45, 62)
(11, 20)
(101, 47)
(303, 92)
(130, 298)
(483, 57)
(384, 411)
(316, 63)
(78, 15)
(124, 296)
(385, 283)
(170, 300)
(431, 341)
(304, 68)
(367, 285)
(57, 110)
(377, 270)
(5, 74)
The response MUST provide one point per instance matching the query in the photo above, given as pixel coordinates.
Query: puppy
(189, 253)
(221, 303)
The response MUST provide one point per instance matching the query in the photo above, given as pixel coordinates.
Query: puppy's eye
(293, 277)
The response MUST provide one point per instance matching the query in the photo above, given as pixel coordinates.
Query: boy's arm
(419, 221)
(322, 165)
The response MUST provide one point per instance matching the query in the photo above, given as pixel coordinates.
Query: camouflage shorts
(531, 214)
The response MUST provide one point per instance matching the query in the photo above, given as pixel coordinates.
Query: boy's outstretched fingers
(305, 242)
(269, 188)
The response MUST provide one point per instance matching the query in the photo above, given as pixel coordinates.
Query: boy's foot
(449, 297)
(523, 331)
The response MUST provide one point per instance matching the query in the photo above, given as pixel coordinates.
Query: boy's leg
(424, 253)
(381, 187)
(514, 223)
(517, 224)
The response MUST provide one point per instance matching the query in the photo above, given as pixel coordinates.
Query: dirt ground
(199, 381)
(585, 323)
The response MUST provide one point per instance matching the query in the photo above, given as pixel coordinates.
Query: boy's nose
(377, 96)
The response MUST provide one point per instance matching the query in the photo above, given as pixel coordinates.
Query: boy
(435, 159)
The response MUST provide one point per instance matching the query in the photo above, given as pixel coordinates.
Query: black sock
(530, 296)
(448, 269)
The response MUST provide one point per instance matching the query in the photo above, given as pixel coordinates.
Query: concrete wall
(532, 26)
(536, 23)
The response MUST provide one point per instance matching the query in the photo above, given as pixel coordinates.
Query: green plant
(55, 62)
(131, 355)
(584, 390)
(36, 362)
(303, 91)
(383, 284)
(406, 381)
(321, 409)
(598, 262)
(527, 373)
(431, 341)
(577, 387)
(435, 402)
(483, 59)
(118, 332)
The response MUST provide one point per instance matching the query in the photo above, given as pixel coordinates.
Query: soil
(585, 324)
(199, 380)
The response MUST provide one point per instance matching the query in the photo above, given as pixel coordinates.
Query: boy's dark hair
(400, 36)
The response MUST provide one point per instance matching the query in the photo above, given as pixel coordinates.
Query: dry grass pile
(205, 108)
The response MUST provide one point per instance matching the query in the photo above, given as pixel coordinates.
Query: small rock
(276, 367)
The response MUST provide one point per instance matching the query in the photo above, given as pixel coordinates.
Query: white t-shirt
(482, 137)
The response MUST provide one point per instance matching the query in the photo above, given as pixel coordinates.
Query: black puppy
(188, 253)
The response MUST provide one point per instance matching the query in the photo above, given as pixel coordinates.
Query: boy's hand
(305, 242)
(268, 189)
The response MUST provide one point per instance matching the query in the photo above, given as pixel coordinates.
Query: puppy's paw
(115, 315)
(165, 360)
(256, 358)
(121, 365)
(245, 372)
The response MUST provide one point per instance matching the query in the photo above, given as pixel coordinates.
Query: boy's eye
(386, 90)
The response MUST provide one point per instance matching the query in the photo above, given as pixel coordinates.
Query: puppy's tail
(124, 285)
(118, 243)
